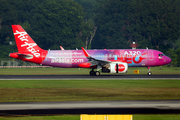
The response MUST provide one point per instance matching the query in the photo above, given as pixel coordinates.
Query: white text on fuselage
(132, 52)
(29, 46)
(66, 60)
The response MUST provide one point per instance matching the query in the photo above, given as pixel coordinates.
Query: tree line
(94, 24)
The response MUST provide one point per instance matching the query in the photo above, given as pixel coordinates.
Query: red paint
(34, 59)
(27, 46)
(130, 59)
(13, 55)
(85, 65)
(85, 52)
(140, 59)
(121, 67)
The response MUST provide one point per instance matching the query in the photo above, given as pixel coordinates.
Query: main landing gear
(92, 72)
(149, 71)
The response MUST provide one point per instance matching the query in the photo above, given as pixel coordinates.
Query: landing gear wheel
(97, 73)
(149, 73)
(92, 72)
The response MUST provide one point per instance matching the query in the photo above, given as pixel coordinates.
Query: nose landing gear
(149, 71)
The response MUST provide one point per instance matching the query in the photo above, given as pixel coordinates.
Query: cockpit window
(160, 55)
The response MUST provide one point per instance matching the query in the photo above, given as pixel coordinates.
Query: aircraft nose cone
(168, 60)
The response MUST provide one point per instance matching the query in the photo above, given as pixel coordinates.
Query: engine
(115, 67)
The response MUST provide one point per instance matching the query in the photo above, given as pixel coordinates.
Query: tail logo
(29, 46)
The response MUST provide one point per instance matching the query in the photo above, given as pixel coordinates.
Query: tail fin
(28, 50)
(24, 42)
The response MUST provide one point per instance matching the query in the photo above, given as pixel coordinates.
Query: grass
(156, 117)
(42, 71)
(77, 117)
(62, 117)
(81, 71)
(78, 90)
(88, 90)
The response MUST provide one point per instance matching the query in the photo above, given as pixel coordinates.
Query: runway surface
(91, 107)
(85, 77)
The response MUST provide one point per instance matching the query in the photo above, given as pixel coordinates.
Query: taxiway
(91, 107)
(86, 77)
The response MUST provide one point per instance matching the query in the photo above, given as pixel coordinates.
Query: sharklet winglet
(86, 53)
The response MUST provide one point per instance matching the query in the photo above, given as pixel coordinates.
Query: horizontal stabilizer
(20, 55)
(27, 56)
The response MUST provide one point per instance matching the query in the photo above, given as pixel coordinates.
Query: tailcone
(13, 55)
(26, 56)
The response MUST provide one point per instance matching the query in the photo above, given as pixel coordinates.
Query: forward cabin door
(150, 57)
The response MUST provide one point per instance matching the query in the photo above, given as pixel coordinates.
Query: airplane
(107, 60)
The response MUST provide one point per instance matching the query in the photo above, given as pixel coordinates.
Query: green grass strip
(88, 90)
(82, 71)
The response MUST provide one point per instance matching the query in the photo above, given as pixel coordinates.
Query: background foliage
(94, 24)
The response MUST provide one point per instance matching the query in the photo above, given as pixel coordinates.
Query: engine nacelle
(116, 67)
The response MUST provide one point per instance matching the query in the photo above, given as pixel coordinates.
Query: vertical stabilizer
(24, 42)
(28, 50)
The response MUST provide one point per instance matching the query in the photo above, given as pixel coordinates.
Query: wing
(94, 61)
